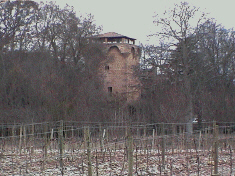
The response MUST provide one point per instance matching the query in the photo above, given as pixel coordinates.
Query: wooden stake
(88, 151)
(20, 142)
(61, 147)
(24, 135)
(101, 138)
(215, 135)
(163, 151)
(97, 165)
(231, 160)
(153, 138)
(45, 139)
(32, 139)
(130, 154)
(136, 161)
(13, 137)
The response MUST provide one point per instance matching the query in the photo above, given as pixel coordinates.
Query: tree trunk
(188, 92)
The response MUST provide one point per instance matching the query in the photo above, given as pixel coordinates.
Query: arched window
(133, 52)
(113, 48)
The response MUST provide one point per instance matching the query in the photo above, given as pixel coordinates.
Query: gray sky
(134, 18)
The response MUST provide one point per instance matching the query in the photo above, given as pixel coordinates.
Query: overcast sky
(134, 18)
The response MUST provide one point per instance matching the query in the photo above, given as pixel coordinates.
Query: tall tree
(176, 26)
(199, 58)
(218, 47)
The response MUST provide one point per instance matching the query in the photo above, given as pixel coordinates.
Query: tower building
(118, 70)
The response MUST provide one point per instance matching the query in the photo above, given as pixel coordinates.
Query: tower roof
(112, 35)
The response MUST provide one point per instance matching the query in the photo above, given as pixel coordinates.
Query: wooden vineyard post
(84, 137)
(2, 131)
(20, 142)
(65, 132)
(107, 135)
(32, 139)
(153, 139)
(206, 137)
(87, 135)
(52, 144)
(61, 146)
(145, 138)
(215, 149)
(231, 159)
(138, 131)
(72, 129)
(147, 167)
(136, 160)
(73, 141)
(3, 138)
(173, 139)
(45, 139)
(101, 138)
(163, 146)
(130, 153)
(162, 129)
(163, 151)
(3, 141)
(144, 131)
(110, 159)
(24, 135)
(200, 138)
(52, 134)
(180, 141)
(13, 137)
(97, 165)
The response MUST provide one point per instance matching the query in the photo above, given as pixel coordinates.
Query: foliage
(48, 67)
(194, 68)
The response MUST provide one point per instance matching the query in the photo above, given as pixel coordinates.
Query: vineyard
(75, 148)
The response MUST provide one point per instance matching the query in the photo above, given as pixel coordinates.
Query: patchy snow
(114, 162)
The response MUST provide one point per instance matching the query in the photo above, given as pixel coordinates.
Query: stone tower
(118, 69)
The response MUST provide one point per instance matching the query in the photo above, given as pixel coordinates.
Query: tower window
(133, 52)
(106, 67)
(110, 89)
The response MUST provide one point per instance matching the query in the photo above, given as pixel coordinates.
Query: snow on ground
(114, 162)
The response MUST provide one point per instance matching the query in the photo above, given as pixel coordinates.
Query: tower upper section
(113, 37)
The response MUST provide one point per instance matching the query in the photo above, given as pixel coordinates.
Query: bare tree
(218, 47)
(176, 25)
(198, 56)
(49, 67)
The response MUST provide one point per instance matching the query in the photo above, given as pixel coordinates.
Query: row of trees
(190, 74)
(48, 68)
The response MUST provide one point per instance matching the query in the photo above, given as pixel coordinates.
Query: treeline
(48, 68)
(191, 73)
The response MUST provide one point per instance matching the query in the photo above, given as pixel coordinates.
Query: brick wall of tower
(118, 70)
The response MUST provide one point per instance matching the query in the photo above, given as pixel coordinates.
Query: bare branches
(48, 67)
(200, 59)
(178, 22)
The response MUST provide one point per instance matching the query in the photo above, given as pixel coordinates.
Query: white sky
(134, 18)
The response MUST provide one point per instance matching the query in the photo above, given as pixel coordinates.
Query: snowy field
(68, 149)
(115, 162)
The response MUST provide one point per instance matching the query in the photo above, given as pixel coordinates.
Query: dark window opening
(132, 110)
(106, 67)
(133, 52)
(110, 89)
